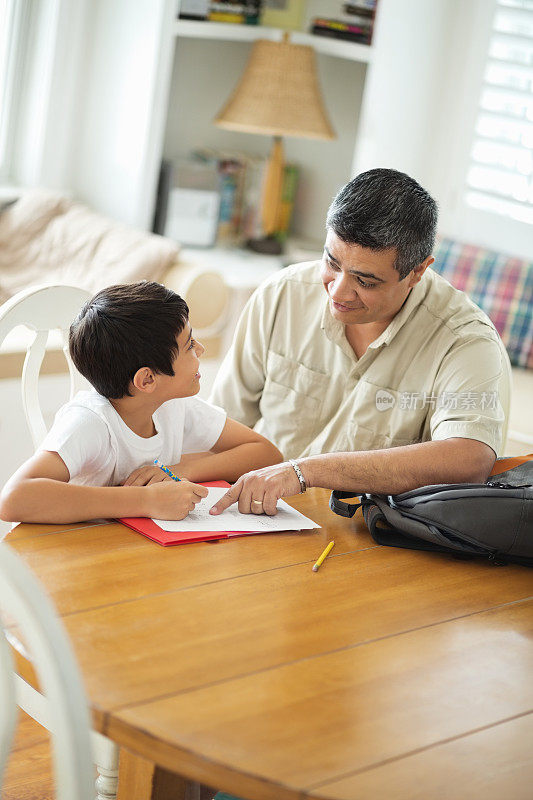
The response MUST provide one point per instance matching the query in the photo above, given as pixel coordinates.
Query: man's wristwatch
(298, 471)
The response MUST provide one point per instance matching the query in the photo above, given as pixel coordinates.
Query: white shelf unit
(209, 58)
(152, 85)
(227, 31)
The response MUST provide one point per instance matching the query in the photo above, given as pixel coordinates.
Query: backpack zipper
(509, 485)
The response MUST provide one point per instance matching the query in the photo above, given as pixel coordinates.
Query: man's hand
(171, 500)
(145, 476)
(258, 492)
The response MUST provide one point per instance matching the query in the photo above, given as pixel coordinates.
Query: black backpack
(492, 519)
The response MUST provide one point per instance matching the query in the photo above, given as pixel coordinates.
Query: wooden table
(388, 674)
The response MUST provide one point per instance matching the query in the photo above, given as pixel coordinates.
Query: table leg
(140, 779)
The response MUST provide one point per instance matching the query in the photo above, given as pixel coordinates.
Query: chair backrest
(42, 309)
(25, 605)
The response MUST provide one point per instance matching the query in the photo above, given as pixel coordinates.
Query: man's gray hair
(384, 208)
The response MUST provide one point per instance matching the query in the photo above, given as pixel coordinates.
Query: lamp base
(268, 245)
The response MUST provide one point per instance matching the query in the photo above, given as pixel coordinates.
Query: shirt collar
(334, 330)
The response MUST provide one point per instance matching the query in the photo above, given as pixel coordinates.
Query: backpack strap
(512, 462)
(341, 508)
(381, 530)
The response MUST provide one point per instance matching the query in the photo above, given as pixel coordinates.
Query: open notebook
(200, 526)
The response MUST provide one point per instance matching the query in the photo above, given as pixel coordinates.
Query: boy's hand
(145, 476)
(171, 500)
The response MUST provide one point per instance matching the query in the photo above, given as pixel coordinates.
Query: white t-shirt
(99, 449)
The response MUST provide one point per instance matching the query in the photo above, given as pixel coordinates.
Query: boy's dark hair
(383, 208)
(123, 328)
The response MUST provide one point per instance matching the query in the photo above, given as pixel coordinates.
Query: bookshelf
(229, 32)
(153, 84)
(208, 60)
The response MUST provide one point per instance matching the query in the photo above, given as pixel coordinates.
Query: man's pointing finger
(227, 500)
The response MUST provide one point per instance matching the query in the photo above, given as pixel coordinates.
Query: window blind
(500, 173)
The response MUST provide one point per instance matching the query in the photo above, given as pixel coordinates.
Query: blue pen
(166, 469)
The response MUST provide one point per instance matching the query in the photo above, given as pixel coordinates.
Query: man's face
(362, 284)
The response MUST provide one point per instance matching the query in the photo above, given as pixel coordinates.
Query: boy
(134, 345)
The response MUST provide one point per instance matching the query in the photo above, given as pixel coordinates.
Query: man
(367, 367)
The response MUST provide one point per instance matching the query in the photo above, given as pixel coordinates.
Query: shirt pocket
(384, 417)
(292, 400)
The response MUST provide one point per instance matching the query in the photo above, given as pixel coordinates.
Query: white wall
(125, 94)
(404, 87)
(457, 90)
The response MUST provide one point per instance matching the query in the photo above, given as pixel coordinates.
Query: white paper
(287, 518)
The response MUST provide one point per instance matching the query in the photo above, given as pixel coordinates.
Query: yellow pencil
(323, 556)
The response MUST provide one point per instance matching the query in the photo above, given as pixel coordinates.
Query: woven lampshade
(278, 94)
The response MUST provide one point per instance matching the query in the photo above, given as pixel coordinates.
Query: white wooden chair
(24, 603)
(43, 309)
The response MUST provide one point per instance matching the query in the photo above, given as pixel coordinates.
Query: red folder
(149, 528)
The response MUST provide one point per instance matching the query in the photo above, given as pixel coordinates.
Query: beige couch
(48, 238)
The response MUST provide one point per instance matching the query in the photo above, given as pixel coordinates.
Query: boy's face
(186, 379)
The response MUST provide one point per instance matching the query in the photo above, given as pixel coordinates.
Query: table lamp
(277, 95)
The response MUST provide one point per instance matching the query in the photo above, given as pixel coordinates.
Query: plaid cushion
(500, 285)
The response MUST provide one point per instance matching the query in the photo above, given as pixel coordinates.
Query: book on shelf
(360, 8)
(252, 12)
(352, 21)
(187, 202)
(231, 172)
(231, 169)
(242, 178)
(226, 12)
(337, 29)
(286, 14)
(195, 10)
(233, 19)
(238, 179)
(246, 12)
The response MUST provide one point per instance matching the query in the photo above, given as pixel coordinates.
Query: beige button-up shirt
(439, 370)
